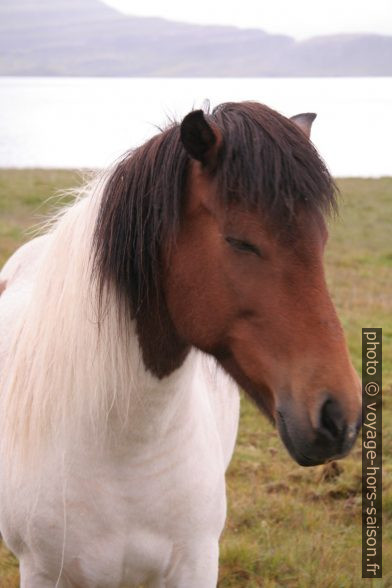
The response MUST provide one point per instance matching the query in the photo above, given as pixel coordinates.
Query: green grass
(26, 197)
(287, 526)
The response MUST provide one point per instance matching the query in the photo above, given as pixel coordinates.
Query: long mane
(68, 371)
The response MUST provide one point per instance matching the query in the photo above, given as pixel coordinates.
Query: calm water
(89, 122)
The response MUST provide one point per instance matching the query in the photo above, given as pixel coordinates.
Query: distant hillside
(87, 38)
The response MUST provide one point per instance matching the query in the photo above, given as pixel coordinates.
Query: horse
(192, 267)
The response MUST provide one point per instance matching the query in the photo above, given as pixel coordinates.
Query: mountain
(88, 38)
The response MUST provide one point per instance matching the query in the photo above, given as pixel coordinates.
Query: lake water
(89, 122)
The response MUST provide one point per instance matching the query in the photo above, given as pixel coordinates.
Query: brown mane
(265, 162)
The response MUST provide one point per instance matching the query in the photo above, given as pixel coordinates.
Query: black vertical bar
(372, 453)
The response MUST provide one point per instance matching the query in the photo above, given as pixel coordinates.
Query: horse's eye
(244, 246)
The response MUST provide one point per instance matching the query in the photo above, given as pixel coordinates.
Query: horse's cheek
(198, 302)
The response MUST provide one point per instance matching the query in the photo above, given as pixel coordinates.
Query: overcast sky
(299, 18)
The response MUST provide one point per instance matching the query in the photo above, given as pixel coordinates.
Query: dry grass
(287, 526)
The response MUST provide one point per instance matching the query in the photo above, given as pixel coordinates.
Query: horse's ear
(200, 139)
(304, 122)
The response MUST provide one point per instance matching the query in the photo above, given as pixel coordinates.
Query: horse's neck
(160, 407)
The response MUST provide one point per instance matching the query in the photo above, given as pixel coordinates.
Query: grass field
(287, 526)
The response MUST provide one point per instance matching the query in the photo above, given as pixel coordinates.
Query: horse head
(231, 214)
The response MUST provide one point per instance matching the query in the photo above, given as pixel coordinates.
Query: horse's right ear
(201, 139)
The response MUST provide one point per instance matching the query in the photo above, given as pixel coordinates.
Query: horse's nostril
(332, 423)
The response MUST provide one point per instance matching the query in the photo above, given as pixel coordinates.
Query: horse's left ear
(304, 121)
(201, 139)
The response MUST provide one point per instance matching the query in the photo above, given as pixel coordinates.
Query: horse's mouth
(297, 455)
(313, 452)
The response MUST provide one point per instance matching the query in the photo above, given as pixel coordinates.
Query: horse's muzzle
(332, 439)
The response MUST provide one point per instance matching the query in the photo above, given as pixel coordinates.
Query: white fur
(108, 476)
